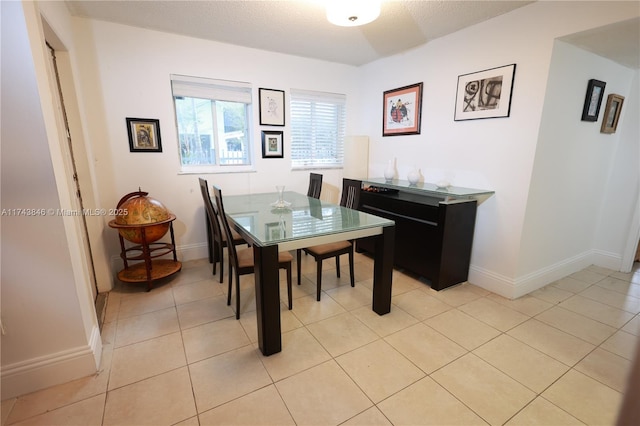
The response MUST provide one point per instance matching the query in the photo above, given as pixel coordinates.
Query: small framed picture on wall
(593, 100)
(612, 113)
(144, 135)
(271, 107)
(272, 144)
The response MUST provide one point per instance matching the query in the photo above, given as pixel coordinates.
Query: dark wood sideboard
(434, 226)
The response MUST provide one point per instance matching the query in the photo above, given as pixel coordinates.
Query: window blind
(207, 88)
(318, 127)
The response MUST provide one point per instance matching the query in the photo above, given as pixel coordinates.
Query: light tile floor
(177, 355)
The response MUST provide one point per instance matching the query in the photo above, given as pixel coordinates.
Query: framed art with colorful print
(402, 111)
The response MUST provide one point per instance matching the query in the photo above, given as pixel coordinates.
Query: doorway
(59, 99)
(72, 169)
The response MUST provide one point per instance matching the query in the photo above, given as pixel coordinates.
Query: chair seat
(241, 261)
(245, 258)
(350, 199)
(323, 249)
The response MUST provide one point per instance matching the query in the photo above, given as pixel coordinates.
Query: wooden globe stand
(147, 249)
(151, 268)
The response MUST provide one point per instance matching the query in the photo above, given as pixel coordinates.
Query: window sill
(217, 170)
(328, 167)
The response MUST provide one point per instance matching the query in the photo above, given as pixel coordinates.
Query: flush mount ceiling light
(351, 13)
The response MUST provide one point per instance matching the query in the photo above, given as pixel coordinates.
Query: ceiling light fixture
(351, 13)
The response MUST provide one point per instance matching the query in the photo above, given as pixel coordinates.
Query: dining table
(285, 221)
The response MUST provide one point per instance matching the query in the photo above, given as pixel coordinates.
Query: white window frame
(304, 124)
(217, 90)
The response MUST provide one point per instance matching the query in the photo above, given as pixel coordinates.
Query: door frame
(632, 242)
(96, 225)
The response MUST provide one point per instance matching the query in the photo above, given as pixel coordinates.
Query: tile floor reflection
(178, 356)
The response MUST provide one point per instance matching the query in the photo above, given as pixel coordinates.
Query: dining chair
(204, 191)
(241, 261)
(315, 185)
(207, 222)
(217, 239)
(350, 198)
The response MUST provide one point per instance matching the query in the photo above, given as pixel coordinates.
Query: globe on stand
(143, 220)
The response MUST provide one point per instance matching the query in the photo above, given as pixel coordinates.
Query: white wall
(51, 330)
(570, 183)
(621, 203)
(496, 154)
(133, 81)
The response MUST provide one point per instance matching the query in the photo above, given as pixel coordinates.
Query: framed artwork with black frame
(402, 110)
(593, 100)
(272, 145)
(612, 113)
(271, 107)
(144, 135)
(485, 94)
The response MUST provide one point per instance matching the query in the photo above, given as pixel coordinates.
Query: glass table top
(306, 217)
(427, 188)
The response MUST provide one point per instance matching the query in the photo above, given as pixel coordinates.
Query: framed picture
(612, 113)
(271, 107)
(402, 111)
(593, 99)
(485, 94)
(272, 144)
(144, 135)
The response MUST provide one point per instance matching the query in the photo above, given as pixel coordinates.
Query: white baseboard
(193, 252)
(544, 276)
(53, 369)
(183, 253)
(513, 288)
(607, 260)
(491, 281)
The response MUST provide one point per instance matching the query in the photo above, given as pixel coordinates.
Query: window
(212, 118)
(318, 122)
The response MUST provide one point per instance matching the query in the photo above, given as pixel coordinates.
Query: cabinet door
(418, 236)
(418, 246)
(457, 225)
(433, 238)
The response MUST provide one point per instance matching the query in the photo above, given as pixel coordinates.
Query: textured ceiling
(299, 27)
(619, 42)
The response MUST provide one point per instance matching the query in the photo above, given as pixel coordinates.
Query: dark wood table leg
(267, 299)
(383, 270)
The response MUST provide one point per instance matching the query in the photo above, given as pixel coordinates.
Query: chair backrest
(211, 210)
(350, 193)
(204, 190)
(224, 224)
(315, 185)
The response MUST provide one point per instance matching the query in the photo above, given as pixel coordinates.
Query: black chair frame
(218, 240)
(245, 257)
(315, 185)
(350, 198)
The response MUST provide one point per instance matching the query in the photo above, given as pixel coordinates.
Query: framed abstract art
(485, 94)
